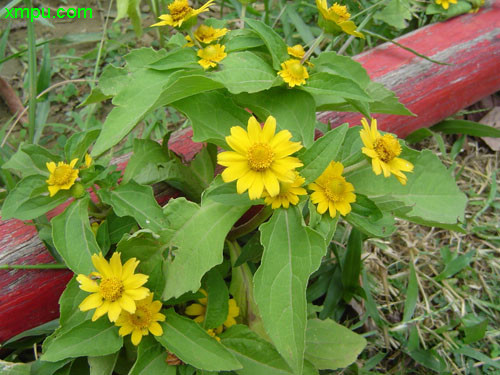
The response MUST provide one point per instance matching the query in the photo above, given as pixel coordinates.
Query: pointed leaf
(151, 359)
(273, 41)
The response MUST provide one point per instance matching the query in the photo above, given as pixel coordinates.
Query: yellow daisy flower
(289, 193)
(211, 55)
(261, 159)
(118, 288)
(384, 151)
(293, 73)
(332, 192)
(336, 19)
(144, 320)
(445, 3)
(62, 176)
(207, 34)
(180, 12)
(296, 51)
(200, 309)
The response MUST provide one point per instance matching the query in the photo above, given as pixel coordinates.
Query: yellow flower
(207, 34)
(296, 51)
(332, 192)
(336, 19)
(200, 309)
(233, 312)
(289, 193)
(445, 3)
(180, 12)
(119, 288)
(62, 176)
(144, 320)
(87, 163)
(213, 332)
(293, 72)
(261, 159)
(189, 41)
(384, 151)
(211, 55)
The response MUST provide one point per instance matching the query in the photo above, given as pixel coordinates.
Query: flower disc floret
(384, 151)
(332, 192)
(261, 159)
(207, 34)
(293, 72)
(289, 193)
(211, 55)
(118, 288)
(62, 176)
(180, 12)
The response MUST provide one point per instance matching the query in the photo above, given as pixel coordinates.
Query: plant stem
(251, 224)
(352, 37)
(242, 16)
(313, 47)
(32, 74)
(354, 167)
(49, 266)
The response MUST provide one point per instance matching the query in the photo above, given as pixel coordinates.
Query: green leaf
(385, 101)
(257, 355)
(195, 255)
(11, 368)
(367, 217)
(323, 151)
(336, 86)
(70, 314)
(225, 193)
(40, 367)
(396, 13)
(183, 58)
(460, 7)
(245, 72)
(212, 115)
(151, 359)
(478, 356)
(217, 301)
(137, 201)
(143, 164)
(293, 109)
(428, 358)
(30, 199)
(241, 40)
(291, 253)
(87, 339)
(339, 65)
(330, 345)
(190, 343)
(73, 238)
(78, 144)
(351, 267)
(474, 328)
(103, 365)
(456, 265)
(323, 224)
(466, 127)
(273, 41)
(31, 160)
(113, 79)
(411, 294)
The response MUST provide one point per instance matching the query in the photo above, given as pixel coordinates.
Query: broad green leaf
(11, 368)
(225, 193)
(321, 153)
(477, 355)
(212, 114)
(456, 265)
(330, 345)
(351, 267)
(87, 339)
(273, 41)
(291, 253)
(73, 238)
(330, 62)
(195, 255)
(431, 191)
(411, 294)
(466, 127)
(460, 7)
(336, 86)
(151, 359)
(113, 80)
(474, 328)
(30, 199)
(40, 367)
(78, 144)
(217, 301)
(257, 355)
(245, 72)
(369, 219)
(190, 343)
(103, 365)
(395, 13)
(143, 164)
(118, 226)
(241, 40)
(137, 201)
(293, 109)
(31, 160)
(183, 58)
(70, 314)
(130, 8)
(385, 101)
(428, 358)
(323, 224)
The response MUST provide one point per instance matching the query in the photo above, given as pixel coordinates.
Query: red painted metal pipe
(470, 42)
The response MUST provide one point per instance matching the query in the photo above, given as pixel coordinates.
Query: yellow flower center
(341, 11)
(260, 157)
(62, 174)
(111, 288)
(210, 52)
(296, 69)
(142, 318)
(387, 148)
(179, 9)
(335, 189)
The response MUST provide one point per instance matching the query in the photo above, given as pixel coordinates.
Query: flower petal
(87, 284)
(114, 311)
(127, 303)
(91, 302)
(155, 329)
(268, 130)
(136, 336)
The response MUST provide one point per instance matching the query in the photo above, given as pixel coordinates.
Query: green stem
(352, 37)
(242, 16)
(193, 38)
(32, 74)
(355, 167)
(50, 266)
(313, 47)
(251, 224)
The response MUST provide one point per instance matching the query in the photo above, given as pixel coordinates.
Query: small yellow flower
(62, 176)
(144, 320)
(180, 12)
(445, 3)
(207, 34)
(289, 193)
(261, 159)
(332, 192)
(119, 288)
(293, 72)
(200, 309)
(87, 163)
(213, 332)
(211, 55)
(296, 51)
(233, 312)
(384, 151)
(336, 19)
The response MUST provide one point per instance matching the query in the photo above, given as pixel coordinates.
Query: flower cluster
(261, 162)
(292, 70)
